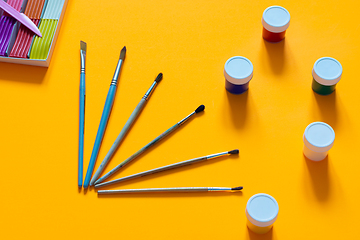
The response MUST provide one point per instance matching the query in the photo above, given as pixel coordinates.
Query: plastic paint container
(238, 72)
(275, 21)
(318, 139)
(261, 212)
(326, 73)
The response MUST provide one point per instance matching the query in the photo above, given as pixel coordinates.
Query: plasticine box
(36, 62)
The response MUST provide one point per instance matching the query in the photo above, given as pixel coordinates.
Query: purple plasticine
(6, 27)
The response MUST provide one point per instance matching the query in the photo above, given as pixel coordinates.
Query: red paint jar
(275, 21)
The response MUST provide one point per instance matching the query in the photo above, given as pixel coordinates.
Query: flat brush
(168, 167)
(172, 190)
(104, 118)
(125, 129)
(81, 112)
(153, 142)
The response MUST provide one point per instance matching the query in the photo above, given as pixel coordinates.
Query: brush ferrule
(217, 155)
(214, 189)
(82, 61)
(117, 72)
(187, 118)
(151, 89)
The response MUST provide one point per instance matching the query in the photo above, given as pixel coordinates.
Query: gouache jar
(326, 73)
(238, 72)
(261, 212)
(318, 139)
(275, 21)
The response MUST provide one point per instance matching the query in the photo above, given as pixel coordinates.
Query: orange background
(189, 42)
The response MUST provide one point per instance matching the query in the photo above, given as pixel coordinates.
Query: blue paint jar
(238, 72)
(326, 73)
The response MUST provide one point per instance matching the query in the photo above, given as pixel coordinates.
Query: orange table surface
(189, 42)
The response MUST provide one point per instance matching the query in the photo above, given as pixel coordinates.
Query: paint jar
(261, 212)
(318, 139)
(275, 21)
(326, 73)
(238, 72)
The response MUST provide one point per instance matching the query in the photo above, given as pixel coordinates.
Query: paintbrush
(163, 135)
(168, 167)
(172, 190)
(125, 129)
(81, 111)
(104, 118)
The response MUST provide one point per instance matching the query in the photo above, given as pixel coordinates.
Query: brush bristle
(83, 46)
(200, 109)
(159, 77)
(123, 53)
(235, 151)
(236, 188)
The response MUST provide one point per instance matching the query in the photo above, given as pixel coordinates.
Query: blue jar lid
(276, 19)
(319, 137)
(262, 210)
(327, 71)
(238, 70)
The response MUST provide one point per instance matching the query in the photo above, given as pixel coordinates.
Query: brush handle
(81, 127)
(156, 190)
(155, 170)
(132, 157)
(100, 133)
(118, 140)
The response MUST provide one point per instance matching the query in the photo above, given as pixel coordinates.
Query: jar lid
(327, 71)
(238, 70)
(276, 19)
(319, 137)
(262, 210)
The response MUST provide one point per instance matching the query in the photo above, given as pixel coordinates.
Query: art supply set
(102, 127)
(29, 29)
(261, 209)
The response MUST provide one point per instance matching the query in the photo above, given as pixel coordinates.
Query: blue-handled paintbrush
(81, 112)
(125, 129)
(104, 118)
